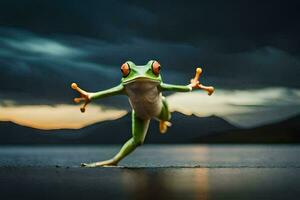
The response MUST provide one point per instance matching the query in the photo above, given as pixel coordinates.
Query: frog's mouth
(141, 79)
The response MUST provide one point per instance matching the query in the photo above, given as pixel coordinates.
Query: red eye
(156, 68)
(125, 69)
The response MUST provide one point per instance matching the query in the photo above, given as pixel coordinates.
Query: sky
(249, 51)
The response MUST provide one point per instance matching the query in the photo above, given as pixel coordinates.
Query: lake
(152, 172)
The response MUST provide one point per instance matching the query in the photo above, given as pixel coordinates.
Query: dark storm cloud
(45, 45)
(233, 25)
(109, 20)
(41, 69)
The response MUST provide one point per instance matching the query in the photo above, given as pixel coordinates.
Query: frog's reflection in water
(165, 183)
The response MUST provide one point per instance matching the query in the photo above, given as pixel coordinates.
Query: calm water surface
(152, 172)
(211, 156)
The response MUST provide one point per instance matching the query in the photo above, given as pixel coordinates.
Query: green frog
(144, 86)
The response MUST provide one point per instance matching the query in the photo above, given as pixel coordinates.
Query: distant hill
(287, 131)
(11, 133)
(185, 129)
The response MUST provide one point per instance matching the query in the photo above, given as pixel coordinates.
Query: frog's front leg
(139, 131)
(87, 97)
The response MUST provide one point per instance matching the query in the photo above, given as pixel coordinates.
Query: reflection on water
(179, 184)
(153, 172)
(204, 183)
(149, 183)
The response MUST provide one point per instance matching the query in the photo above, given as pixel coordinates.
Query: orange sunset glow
(57, 117)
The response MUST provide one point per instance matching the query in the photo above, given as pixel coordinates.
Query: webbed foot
(197, 85)
(105, 163)
(84, 96)
(163, 126)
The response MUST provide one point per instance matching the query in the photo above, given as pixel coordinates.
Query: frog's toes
(105, 163)
(163, 126)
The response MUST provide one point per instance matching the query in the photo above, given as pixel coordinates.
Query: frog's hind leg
(139, 130)
(164, 117)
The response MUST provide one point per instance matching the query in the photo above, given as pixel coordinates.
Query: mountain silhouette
(286, 131)
(185, 129)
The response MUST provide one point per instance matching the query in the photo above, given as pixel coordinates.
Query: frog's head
(148, 72)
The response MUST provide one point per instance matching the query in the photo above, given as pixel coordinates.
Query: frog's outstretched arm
(175, 88)
(88, 96)
(119, 89)
(195, 84)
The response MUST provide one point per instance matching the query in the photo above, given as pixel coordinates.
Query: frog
(143, 85)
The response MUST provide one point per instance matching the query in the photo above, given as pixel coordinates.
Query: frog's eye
(156, 68)
(125, 69)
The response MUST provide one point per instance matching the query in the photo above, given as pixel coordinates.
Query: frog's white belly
(144, 98)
